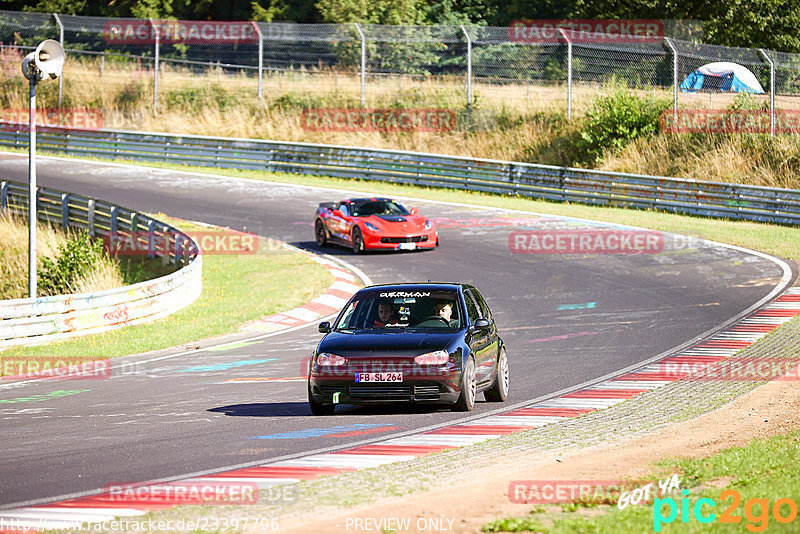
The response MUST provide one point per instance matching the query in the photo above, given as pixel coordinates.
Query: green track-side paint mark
(43, 397)
(231, 346)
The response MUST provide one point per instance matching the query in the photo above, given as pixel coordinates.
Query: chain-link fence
(366, 60)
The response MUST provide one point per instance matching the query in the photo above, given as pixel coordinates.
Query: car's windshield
(378, 207)
(405, 309)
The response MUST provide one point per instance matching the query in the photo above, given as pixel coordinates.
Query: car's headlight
(433, 358)
(327, 359)
(428, 224)
(371, 226)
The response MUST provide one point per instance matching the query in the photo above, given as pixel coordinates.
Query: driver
(444, 309)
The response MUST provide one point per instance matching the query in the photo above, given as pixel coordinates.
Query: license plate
(379, 377)
(407, 246)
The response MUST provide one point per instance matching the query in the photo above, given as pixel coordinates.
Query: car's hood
(388, 343)
(397, 222)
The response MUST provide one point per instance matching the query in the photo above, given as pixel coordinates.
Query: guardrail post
(90, 216)
(674, 51)
(260, 59)
(569, 72)
(155, 67)
(134, 224)
(114, 218)
(363, 63)
(178, 248)
(3, 195)
(151, 239)
(771, 91)
(64, 210)
(165, 256)
(469, 66)
(61, 41)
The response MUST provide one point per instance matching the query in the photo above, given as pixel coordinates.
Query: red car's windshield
(378, 207)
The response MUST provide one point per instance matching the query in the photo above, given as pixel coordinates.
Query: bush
(614, 121)
(76, 259)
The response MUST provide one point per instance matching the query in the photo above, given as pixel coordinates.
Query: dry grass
(14, 259)
(509, 122)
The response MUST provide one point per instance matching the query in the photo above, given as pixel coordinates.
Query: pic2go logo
(783, 511)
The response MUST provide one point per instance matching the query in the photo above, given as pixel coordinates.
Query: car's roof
(371, 199)
(428, 286)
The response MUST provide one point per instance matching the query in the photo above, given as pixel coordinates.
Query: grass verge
(236, 289)
(761, 473)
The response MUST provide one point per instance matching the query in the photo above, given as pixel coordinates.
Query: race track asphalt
(566, 319)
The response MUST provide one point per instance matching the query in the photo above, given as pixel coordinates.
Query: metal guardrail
(563, 184)
(45, 319)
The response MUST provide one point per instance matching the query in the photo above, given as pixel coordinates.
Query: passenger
(386, 314)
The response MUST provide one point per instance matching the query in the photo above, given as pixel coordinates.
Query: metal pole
(155, 69)
(260, 60)
(61, 42)
(32, 192)
(771, 91)
(363, 64)
(569, 72)
(469, 66)
(674, 51)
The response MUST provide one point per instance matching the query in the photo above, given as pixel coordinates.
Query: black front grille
(414, 239)
(426, 392)
(382, 391)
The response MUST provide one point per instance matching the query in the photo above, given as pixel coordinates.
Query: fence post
(569, 72)
(674, 51)
(469, 66)
(771, 91)
(363, 63)
(260, 59)
(64, 210)
(60, 40)
(114, 221)
(155, 67)
(90, 216)
(3, 195)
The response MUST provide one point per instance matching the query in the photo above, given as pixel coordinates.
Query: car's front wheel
(318, 408)
(466, 400)
(358, 241)
(499, 390)
(321, 234)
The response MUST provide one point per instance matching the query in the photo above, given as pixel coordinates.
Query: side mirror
(324, 327)
(481, 324)
(414, 211)
(338, 213)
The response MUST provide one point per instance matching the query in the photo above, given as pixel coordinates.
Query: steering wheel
(430, 317)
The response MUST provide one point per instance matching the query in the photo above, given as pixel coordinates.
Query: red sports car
(373, 224)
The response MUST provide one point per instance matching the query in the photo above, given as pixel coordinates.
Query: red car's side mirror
(337, 213)
(414, 211)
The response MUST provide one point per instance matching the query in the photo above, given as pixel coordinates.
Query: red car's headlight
(372, 227)
(432, 358)
(326, 359)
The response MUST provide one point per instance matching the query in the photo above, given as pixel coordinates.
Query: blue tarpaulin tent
(722, 76)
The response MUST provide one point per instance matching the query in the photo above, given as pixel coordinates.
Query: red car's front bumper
(379, 241)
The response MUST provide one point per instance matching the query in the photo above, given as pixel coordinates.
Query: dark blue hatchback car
(427, 343)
